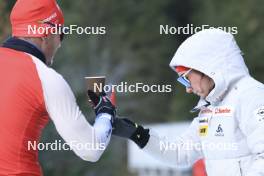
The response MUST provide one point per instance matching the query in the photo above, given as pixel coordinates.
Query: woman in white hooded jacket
(229, 130)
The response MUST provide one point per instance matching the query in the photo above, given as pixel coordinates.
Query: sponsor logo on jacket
(224, 111)
(203, 130)
(259, 114)
(219, 131)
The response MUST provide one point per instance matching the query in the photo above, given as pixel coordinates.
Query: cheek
(196, 83)
(205, 85)
(51, 50)
(55, 45)
(56, 42)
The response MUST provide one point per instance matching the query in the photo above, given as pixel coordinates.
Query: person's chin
(201, 95)
(198, 94)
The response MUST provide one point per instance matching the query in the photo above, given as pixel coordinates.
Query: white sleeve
(87, 141)
(252, 125)
(181, 152)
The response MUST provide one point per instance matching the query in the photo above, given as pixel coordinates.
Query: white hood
(216, 54)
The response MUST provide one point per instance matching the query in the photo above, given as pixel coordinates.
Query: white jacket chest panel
(220, 122)
(220, 134)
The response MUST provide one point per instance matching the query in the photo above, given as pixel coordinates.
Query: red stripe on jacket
(22, 113)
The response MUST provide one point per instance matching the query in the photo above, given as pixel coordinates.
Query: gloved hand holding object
(102, 104)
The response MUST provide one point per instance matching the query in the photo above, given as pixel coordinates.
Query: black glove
(128, 129)
(102, 104)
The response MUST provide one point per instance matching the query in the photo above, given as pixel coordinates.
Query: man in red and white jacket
(32, 93)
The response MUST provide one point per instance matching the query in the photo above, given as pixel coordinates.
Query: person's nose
(189, 90)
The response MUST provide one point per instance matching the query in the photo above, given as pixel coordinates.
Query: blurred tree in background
(133, 51)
